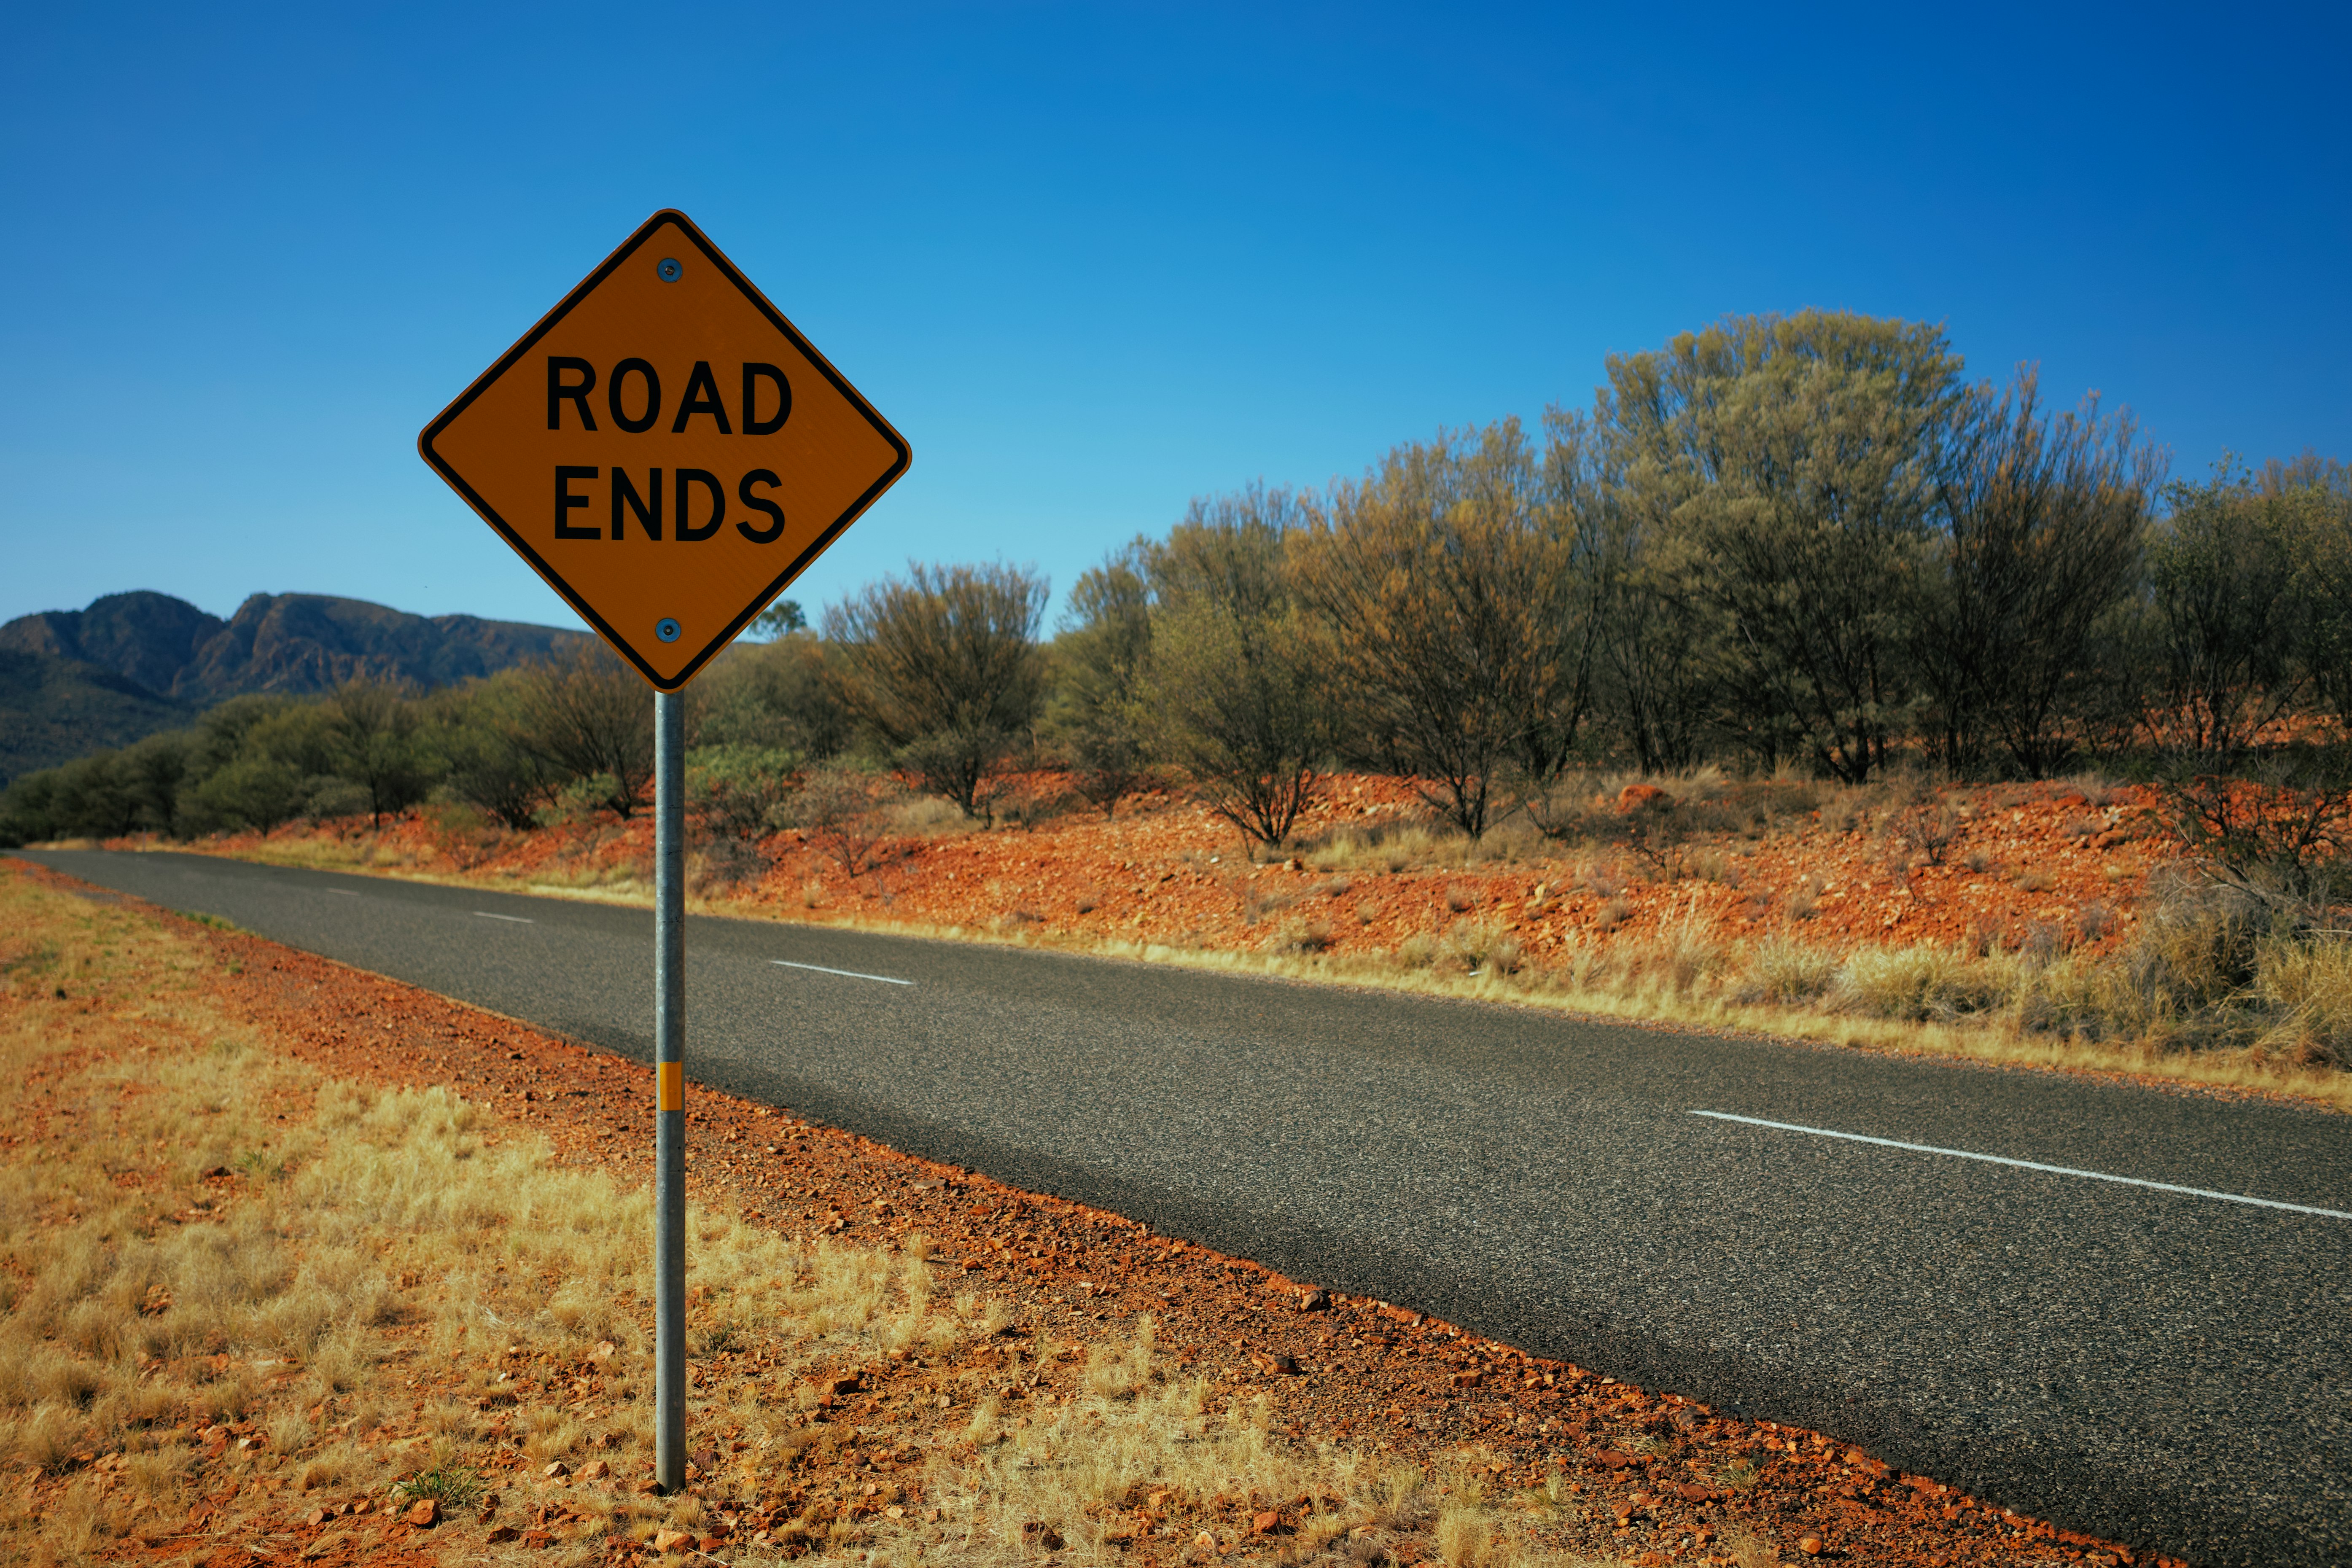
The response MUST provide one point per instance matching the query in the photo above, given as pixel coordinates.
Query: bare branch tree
(945, 666)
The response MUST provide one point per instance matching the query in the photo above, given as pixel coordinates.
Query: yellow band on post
(669, 1086)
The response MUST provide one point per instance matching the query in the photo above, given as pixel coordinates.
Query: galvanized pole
(669, 1091)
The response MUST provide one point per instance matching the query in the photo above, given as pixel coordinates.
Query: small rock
(537, 1540)
(605, 1351)
(710, 1543)
(595, 1470)
(1642, 797)
(671, 1540)
(1266, 1523)
(502, 1532)
(424, 1513)
(1316, 1300)
(315, 1518)
(556, 1471)
(1205, 1542)
(1811, 1546)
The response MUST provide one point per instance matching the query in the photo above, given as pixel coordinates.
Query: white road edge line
(845, 973)
(343, 892)
(518, 920)
(2027, 1164)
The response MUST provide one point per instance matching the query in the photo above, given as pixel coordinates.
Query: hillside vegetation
(131, 665)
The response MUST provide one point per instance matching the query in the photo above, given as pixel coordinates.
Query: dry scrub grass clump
(239, 1298)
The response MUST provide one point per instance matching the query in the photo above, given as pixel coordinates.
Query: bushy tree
(585, 715)
(1100, 660)
(786, 695)
(943, 666)
(2043, 525)
(1800, 459)
(475, 735)
(1239, 687)
(377, 745)
(1453, 588)
(2226, 617)
(2310, 504)
(259, 762)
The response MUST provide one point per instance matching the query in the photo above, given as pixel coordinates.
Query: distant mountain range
(72, 681)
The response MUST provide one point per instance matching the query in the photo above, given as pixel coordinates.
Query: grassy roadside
(2069, 1013)
(253, 1309)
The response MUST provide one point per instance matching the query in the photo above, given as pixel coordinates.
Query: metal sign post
(669, 1100)
(668, 452)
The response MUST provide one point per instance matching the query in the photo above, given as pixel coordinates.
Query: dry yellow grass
(389, 1296)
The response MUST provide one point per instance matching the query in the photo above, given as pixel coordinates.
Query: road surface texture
(2166, 1366)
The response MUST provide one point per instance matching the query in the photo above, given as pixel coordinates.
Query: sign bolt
(668, 629)
(669, 270)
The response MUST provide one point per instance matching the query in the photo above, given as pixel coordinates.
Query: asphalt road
(2167, 1368)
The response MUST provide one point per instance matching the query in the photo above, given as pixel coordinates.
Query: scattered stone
(1266, 1523)
(424, 1513)
(595, 1470)
(1811, 1546)
(502, 1533)
(671, 1540)
(556, 1471)
(1642, 797)
(1315, 1300)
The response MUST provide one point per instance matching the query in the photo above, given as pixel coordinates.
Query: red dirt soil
(2020, 861)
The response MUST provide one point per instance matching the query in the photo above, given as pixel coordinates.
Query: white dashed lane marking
(2025, 1164)
(845, 973)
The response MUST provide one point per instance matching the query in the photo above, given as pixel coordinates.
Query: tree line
(1803, 543)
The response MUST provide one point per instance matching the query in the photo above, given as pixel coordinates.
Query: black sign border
(481, 384)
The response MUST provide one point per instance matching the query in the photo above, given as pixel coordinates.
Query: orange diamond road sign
(665, 449)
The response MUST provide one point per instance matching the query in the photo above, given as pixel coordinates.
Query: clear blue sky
(1094, 260)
